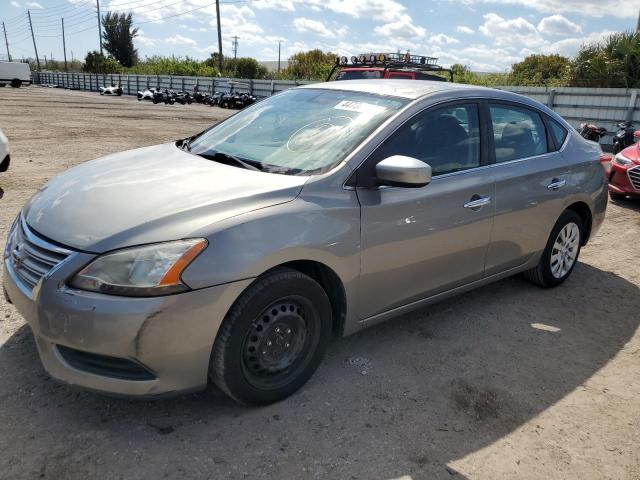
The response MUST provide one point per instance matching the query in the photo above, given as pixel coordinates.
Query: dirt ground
(510, 381)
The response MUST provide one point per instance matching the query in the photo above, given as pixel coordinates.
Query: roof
(410, 89)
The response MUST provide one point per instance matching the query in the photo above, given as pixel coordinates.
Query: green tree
(311, 65)
(244, 67)
(94, 62)
(540, 70)
(614, 62)
(118, 37)
(157, 65)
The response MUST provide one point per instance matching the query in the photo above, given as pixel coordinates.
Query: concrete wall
(603, 106)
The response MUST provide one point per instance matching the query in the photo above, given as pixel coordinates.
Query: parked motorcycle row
(623, 138)
(167, 96)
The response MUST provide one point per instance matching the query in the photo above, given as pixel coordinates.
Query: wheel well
(584, 212)
(332, 285)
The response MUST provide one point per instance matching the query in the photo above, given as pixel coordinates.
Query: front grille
(105, 366)
(634, 177)
(32, 257)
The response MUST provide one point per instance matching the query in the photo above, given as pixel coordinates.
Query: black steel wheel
(272, 339)
(16, 83)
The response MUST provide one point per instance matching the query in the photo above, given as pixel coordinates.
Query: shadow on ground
(404, 398)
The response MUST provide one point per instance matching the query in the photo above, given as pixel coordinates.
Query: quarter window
(517, 132)
(558, 131)
(446, 138)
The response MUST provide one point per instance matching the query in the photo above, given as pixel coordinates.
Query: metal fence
(132, 83)
(603, 106)
(606, 107)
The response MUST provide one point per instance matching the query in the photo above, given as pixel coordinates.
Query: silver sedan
(234, 255)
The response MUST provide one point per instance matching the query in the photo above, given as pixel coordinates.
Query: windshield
(297, 132)
(359, 74)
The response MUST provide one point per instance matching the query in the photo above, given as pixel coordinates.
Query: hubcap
(565, 250)
(275, 342)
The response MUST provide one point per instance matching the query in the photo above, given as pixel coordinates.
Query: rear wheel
(16, 83)
(561, 252)
(272, 339)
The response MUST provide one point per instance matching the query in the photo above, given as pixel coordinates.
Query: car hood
(149, 195)
(632, 153)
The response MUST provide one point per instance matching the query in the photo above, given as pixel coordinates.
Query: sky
(486, 35)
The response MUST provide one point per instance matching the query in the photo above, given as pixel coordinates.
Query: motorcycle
(215, 99)
(591, 132)
(147, 94)
(163, 96)
(183, 97)
(200, 97)
(624, 137)
(111, 90)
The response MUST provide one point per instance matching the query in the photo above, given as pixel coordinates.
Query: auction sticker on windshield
(359, 107)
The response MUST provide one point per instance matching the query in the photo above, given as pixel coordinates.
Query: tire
(272, 339)
(16, 83)
(548, 275)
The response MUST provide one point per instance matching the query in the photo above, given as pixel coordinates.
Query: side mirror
(636, 134)
(401, 171)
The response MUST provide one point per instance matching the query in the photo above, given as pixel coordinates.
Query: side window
(446, 138)
(518, 132)
(558, 132)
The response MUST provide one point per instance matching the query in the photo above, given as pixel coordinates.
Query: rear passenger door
(530, 175)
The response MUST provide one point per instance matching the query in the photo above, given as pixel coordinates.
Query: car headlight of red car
(622, 160)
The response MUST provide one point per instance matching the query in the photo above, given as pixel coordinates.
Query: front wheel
(272, 339)
(561, 252)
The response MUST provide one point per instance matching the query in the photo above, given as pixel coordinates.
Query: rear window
(358, 74)
(558, 132)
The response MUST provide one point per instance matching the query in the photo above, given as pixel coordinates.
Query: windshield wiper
(217, 156)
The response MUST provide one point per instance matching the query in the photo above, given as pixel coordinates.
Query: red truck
(388, 65)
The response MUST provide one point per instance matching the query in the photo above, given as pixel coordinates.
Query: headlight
(622, 160)
(12, 232)
(140, 271)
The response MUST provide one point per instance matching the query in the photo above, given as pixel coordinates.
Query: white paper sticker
(360, 107)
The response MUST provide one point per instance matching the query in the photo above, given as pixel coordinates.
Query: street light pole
(64, 46)
(6, 42)
(279, 43)
(34, 40)
(220, 59)
(99, 25)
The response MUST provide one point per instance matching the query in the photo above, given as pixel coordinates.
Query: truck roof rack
(399, 61)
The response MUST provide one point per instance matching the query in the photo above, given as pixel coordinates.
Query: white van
(15, 74)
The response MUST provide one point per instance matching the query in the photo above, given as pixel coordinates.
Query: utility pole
(638, 26)
(33, 37)
(235, 47)
(99, 25)
(64, 46)
(220, 59)
(279, 43)
(6, 42)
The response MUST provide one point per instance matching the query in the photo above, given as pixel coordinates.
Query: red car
(388, 65)
(624, 176)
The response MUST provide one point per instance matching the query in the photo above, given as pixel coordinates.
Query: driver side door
(417, 242)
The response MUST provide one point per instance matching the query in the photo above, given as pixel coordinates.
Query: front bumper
(620, 182)
(170, 337)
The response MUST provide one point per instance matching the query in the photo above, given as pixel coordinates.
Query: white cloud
(34, 5)
(307, 25)
(463, 29)
(384, 10)
(507, 32)
(558, 25)
(442, 39)
(401, 29)
(15, 4)
(593, 8)
(178, 39)
(284, 5)
(570, 46)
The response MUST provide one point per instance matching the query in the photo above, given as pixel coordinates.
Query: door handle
(556, 184)
(477, 202)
